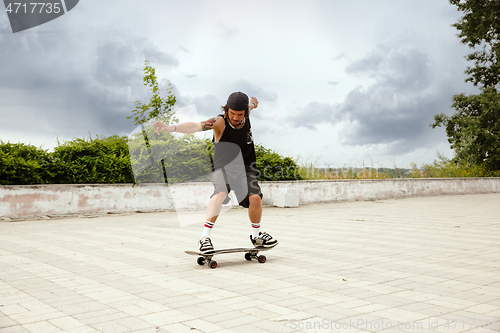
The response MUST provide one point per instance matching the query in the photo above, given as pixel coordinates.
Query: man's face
(236, 117)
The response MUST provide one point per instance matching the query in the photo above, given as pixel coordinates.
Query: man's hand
(162, 126)
(254, 103)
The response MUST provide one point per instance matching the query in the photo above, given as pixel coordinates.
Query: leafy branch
(158, 107)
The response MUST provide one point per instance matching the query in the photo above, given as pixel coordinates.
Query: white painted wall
(41, 200)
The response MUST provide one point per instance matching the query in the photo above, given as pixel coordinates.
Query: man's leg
(215, 206)
(213, 210)
(255, 216)
(255, 213)
(255, 208)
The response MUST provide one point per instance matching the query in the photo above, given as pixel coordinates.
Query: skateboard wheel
(201, 261)
(248, 256)
(213, 264)
(262, 259)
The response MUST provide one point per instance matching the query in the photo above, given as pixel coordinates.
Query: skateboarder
(232, 137)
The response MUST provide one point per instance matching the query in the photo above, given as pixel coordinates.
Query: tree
(474, 130)
(157, 107)
(480, 28)
(158, 158)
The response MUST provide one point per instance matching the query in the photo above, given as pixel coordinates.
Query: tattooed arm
(209, 124)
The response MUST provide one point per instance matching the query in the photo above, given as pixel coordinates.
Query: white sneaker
(206, 246)
(264, 240)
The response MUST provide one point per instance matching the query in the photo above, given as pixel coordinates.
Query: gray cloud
(226, 31)
(251, 89)
(376, 120)
(77, 86)
(208, 106)
(119, 60)
(341, 56)
(399, 68)
(184, 50)
(398, 107)
(395, 110)
(315, 113)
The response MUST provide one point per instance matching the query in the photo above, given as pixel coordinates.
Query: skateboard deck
(250, 253)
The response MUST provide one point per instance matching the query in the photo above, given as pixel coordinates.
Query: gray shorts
(243, 182)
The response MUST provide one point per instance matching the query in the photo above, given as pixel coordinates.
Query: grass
(441, 168)
(449, 169)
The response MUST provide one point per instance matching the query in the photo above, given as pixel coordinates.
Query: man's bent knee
(255, 199)
(220, 195)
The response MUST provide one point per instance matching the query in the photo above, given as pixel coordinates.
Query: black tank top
(232, 142)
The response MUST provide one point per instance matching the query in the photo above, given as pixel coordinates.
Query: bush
(92, 161)
(106, 160)
(273, 166)
(22, 164)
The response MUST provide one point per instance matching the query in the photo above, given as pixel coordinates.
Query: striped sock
(207, 229)
(255, 230)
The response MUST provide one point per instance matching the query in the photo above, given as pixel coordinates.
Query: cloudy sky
(339, 82)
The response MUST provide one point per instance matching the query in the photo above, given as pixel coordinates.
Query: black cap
(237, 101)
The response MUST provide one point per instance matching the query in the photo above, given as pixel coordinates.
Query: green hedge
(22, 164)
(81, 161)
(106, 160)
(92, 161)
(273, 166)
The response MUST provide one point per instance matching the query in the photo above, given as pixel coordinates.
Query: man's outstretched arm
(187, 127)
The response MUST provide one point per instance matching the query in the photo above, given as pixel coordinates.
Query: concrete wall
(368, 189)
(56, 200)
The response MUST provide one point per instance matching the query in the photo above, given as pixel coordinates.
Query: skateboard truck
(254, 255)
(250, 253)
(211, 263)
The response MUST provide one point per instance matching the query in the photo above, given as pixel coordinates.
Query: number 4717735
(31, 8)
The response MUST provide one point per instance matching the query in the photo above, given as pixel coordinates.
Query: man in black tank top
(234, 166)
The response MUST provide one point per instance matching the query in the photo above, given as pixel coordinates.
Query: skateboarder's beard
(234, 124)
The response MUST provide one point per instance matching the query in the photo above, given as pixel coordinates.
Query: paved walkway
(416, 265)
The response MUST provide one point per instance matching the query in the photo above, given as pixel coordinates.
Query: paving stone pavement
(429, 264)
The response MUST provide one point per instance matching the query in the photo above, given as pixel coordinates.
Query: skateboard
(251, 253)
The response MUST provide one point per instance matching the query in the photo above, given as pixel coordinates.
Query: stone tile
(14, 329)
(66, 323)
(135, 324)
(5, 321)
(239, 321)
(42, 327)
(203, 326)
(111, 326)
(370, 261)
